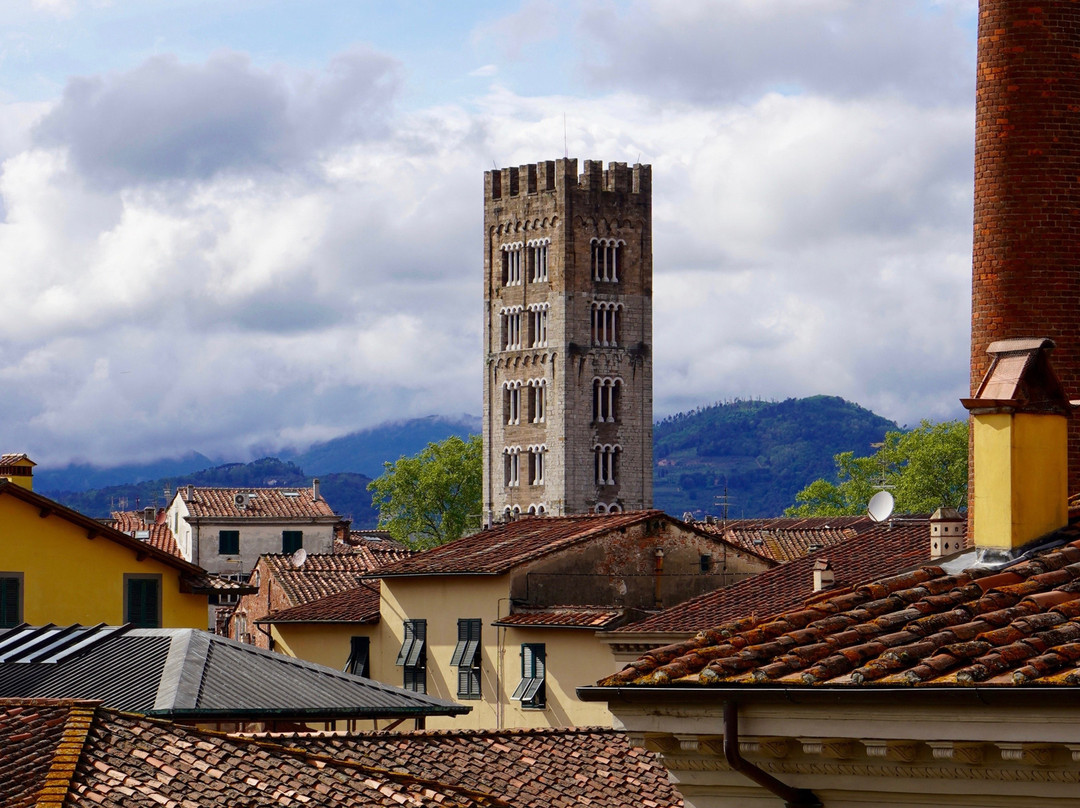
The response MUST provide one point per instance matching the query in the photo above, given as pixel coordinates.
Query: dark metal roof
(191, 674)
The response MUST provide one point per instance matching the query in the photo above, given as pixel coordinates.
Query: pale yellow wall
(1021, 465)
(68, 578)
(573, 657)
(324, 643)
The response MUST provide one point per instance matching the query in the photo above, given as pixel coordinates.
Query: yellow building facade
(59, 566)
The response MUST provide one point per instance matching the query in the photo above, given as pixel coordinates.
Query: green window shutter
(228, 542)
(291, 540)
(359, 653)
(143, 602)
(10, 599)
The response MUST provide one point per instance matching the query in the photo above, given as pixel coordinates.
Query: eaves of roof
(692, 693)
(94, 528)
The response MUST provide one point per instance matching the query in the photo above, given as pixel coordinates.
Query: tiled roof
(190, 674)
(499, 549)
(1005, 627)
(786, 539)
(568, 617)
(529, 768)
(267, 503)
(11, 459)
(39, 743)
(118, 760)
(383, 549)
(322, 574)
(358, 605)
(156, 534)
(193, 577)
(882, 549)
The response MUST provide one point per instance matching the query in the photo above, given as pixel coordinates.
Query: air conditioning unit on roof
(241, 499)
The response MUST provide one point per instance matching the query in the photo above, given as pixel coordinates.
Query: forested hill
(763, 451)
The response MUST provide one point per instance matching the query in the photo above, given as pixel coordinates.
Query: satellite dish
(881, 505)
(298, 558)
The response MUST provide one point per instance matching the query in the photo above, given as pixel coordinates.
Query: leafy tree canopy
(926, 468)
(432, 497)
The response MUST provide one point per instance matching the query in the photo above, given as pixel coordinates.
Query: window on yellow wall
(466, 658)
(359, 653)
(531, 691)
(10, 599)
(142, 600)
(413, 656)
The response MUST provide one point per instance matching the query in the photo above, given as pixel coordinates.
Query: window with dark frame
(228, 542)
(466, 658)
(10, 600)
(531, 691)
(359, 656)
(142, 600)
(291, 540)
(412, 657)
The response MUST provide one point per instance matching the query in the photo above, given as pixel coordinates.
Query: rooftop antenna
(565, 150)
(882, 503)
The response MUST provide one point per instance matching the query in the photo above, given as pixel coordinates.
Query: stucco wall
(68, 578)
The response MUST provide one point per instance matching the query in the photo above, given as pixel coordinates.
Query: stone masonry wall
(551, 201)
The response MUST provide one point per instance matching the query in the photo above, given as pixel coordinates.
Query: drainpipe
(792, 797)
(658, 599)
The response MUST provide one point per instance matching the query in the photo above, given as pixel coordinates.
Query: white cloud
(227, 258)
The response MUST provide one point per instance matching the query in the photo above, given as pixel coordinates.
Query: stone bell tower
(567, 339)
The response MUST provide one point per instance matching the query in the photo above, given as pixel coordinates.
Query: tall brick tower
(567, 339)
(1026, 266)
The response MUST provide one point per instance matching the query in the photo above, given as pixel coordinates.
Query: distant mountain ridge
(763, 452)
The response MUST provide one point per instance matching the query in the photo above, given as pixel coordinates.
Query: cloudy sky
(230, 226)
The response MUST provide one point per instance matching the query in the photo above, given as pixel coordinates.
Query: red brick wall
(1026, 265)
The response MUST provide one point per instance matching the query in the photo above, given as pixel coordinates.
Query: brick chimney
(1019, 425)
(1025, 271)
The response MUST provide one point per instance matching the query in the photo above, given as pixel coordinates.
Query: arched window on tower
(606, 458)
(606, 256)
(604, 324)
(511, 263)
(538, 259)
(538, 324)
(536, 464)
(512, 402)
(512, 466)
(537, 400)
(606, 404)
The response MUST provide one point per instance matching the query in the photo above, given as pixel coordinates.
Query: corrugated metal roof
(185, 673)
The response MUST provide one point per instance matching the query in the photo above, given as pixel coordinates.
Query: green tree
(926, 468)
(432, 497)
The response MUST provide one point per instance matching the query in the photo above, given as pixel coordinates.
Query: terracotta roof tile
(156, 534)
(357, 605)
(1020, 625)
(499, 549)
(267, 503)
(322, 574)
(881, 549)
(786, 539)
(32, 733)
(11, 459)
(529, 768)
(591, 617)
(118, 760)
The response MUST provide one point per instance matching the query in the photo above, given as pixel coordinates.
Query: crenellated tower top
(556, 175)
